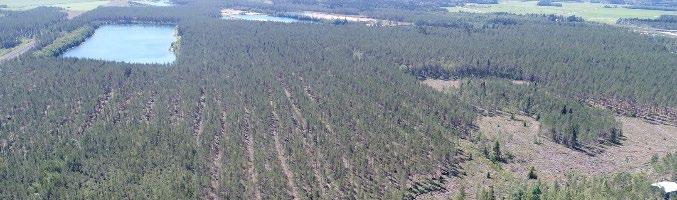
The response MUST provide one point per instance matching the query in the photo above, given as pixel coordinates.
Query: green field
(73, 5)
(589, 11)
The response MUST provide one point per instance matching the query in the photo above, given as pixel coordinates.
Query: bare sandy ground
(354, 18)
(553, 161)
(516, 82)
(442, 85)
(231, 12)
(331, 16)
(326, 16)
(120, 3)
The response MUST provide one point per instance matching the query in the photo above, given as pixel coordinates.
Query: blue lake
(262, 17)
(146, 44)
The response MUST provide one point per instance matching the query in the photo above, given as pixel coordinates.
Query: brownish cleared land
(442, 85)
(553, 161)
(120, 3)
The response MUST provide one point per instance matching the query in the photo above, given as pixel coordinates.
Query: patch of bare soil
(249, 141)
(553, 161)
(230, 12)
(198, 123)
(98, 109)
(122, 108)
(520, 82)
(73, 13)
(475, 172)
(216, 164)
(149, 108)
(353, 18)
(442, 85)
(118, 3)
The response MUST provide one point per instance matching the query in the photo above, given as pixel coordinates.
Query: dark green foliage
(663, 8)
(26, 24)
(497, 155)
(559, 18)
(536, 192)
(532, 173)
(668, 22)
(548, 3)
(652, 4)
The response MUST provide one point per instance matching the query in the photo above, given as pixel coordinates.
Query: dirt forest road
(16, 52)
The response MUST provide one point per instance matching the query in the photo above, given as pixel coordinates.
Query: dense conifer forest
(668, 22)
(264, 110)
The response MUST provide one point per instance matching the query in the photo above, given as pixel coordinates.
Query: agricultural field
(596, 12)
(77, 6)
(71, 5)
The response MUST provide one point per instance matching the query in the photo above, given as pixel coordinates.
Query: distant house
(668, 187)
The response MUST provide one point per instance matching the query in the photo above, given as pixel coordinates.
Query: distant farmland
(589, 11)
(74, 5)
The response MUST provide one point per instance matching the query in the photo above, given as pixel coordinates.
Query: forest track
(216, 158)
(122, 108)
(18, 51)
(98, 108)
(176, 114)
(149, 108)
(75, 111)
(198, 123)
(351, 177)
(311, 94)
(249, 141)
(301, 125)
(275, 125)
(308, 90)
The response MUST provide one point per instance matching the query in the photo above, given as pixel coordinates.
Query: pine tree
(532, 173)
(497, 152)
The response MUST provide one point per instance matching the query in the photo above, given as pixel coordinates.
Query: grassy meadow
(595, 12)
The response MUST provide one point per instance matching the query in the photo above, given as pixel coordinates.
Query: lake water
(146, 44)
(262, 17)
